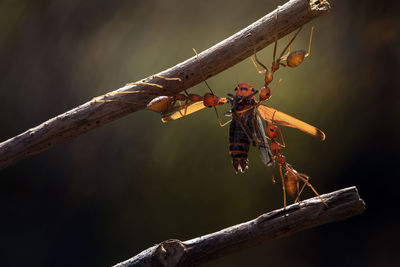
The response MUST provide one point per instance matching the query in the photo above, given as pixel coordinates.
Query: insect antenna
(204, 79)
(201, 71)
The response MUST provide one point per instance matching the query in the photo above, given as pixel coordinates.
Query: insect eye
(235, 89)
(271, 130)
(252, 89)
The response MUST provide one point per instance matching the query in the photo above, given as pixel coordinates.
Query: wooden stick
(309, 213)
(221, 56)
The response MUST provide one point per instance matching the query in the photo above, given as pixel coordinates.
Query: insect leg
(283, 186)
(167, 79)
(204, 79)
(309, 45)
(302, 188)
(255, 56)
(301, 176)
(98, 99)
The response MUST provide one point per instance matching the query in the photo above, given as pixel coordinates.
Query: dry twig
(221, 56)
(309, 213)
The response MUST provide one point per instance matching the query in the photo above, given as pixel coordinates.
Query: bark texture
(219, 57)
(309, 213)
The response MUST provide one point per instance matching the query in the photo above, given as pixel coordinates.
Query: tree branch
(221, 56)
(309, 213)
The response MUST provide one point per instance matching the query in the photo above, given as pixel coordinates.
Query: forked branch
(221, 56)
(301, 216)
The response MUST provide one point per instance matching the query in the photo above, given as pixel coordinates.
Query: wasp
(247, 116)
(247, 113)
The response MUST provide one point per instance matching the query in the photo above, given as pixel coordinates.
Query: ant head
(272, 131)
(265, 93)
(295, 58)
(210, 100)
(244, 89)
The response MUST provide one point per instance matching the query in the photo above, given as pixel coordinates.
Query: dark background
(105, 196)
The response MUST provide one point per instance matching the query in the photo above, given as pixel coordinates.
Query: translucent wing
(263, 146)
(181, 111)
(280, 118)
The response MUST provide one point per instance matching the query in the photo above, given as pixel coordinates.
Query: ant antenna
(276, 86)
(202, 75)
(201, 71)
(255, 55)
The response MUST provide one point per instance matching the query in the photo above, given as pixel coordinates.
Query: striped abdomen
(239, 143)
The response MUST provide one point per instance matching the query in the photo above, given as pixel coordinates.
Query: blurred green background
(107, 195)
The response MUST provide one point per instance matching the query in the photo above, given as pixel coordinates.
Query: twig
(221, 56)
(309, 213)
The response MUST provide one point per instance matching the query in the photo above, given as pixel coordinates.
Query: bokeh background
(107, 195)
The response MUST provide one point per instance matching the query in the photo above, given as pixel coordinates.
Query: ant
(289, 176)
(166, 104)
(291, 59)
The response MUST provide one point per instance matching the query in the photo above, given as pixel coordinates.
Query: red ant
(291, 59)
(289, 176)
(166, 105)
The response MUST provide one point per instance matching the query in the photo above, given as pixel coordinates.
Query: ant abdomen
(295, 58)
(160, 104)
(291, 183)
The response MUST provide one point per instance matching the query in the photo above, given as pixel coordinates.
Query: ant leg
(283, 186)
(276, 86)
(288, 53)
(167, 79)
(273, 170)
(143, 83)
(312, 188)
(202, 75)
(309, 45)
(201, 71)
(255, 56)
(180, 112)
(288, 45)
(302, 188)
(283, 145)
(276, 34)
(97, 100)
(255, 65)
(219, 121)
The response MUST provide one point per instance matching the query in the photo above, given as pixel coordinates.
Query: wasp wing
(263, 147)
(182, 111)
(280, 118)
